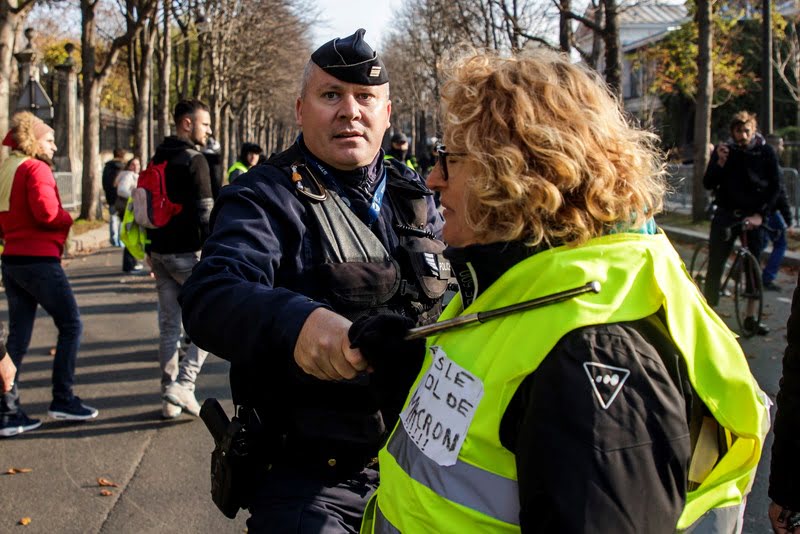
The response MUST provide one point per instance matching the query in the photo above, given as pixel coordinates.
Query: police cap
(350, 59)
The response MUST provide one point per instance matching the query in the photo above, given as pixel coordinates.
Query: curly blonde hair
(555, 160)
(22, 124)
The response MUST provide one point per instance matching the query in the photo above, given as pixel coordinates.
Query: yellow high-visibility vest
(477, 490)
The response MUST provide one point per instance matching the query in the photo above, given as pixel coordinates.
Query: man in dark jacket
(110, 171)
(784, 477)
(318, 236)
(745, 176)
(174, 249)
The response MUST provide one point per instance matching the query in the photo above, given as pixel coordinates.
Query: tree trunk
(187, 67)
(90, 181)
(141, 106)
(93, 81)
(90, 195)
(565, 27)
(7, 26)
(613, 57)
(702, 117)
(199, 71)
(12, 15)
(164, 116)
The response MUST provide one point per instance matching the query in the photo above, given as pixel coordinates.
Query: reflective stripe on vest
(465, 484)
(719, 520)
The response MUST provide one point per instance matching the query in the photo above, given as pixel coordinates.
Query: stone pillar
(26, 59)
(67, 117)
(32, 97)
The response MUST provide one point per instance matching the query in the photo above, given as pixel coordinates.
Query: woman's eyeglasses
(441, 156)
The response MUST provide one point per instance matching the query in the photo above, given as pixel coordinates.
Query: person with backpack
(180, 173)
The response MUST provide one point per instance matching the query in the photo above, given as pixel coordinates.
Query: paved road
(162, 467)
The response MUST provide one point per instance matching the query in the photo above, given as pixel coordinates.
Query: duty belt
(331, 458)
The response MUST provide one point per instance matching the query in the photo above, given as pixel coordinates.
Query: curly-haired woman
(604, 412)
(34, 226)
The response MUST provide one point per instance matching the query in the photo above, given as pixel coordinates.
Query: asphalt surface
(161, 467)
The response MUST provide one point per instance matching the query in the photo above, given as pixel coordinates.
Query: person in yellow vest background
(248, 157)
(630, 409)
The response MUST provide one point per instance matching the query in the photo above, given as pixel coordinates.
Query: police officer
(399, 150)
(322, 234)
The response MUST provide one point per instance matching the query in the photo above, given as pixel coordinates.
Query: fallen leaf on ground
(17, 470)
(25, 521)
(105, 482)
(106, 493)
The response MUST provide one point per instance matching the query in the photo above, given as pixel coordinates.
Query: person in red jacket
(34, 226)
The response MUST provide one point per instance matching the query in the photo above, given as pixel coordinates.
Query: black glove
(396, 361)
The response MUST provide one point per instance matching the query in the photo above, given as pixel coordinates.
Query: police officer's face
(343, 123)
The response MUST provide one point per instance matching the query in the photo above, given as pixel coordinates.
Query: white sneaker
(182, 396)
(169, 410)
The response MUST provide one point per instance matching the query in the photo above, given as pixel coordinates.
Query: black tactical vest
(353, 272)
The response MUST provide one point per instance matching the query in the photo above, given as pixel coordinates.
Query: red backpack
(152, 208)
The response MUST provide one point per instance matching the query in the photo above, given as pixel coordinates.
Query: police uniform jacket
(784, 477)
(255, 285)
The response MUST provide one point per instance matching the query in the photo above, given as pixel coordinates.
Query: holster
(233, 467)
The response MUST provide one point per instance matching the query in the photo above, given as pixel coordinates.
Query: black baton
(482, 317)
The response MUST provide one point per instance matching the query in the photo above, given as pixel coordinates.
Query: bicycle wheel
(699, 264)
(747, 289)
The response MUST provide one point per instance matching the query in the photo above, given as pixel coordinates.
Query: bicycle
(745, 272)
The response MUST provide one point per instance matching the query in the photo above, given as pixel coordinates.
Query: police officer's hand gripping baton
(482, 317)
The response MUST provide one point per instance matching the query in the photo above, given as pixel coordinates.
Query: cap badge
(374, 72)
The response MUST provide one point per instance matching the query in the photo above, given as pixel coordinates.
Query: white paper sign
(440, 411)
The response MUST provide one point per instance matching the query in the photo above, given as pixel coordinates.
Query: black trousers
(292, 499)
(720, 245)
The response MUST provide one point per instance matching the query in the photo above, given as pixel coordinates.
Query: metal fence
(69, 188)
(681, 178)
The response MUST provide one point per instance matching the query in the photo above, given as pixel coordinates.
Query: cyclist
(745, 174)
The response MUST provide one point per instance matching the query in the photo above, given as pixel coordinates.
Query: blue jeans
(778, 237)
(171, 271)
(45, 284)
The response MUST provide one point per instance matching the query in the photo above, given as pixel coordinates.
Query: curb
(682, 235)
(87, 242)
